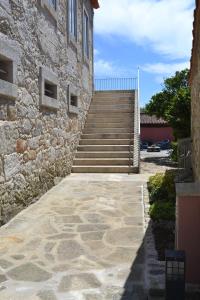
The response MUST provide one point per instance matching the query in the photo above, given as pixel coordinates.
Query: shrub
(156, 189)
(162, 211)
(169, 183)
(174, 153)
(162, 187)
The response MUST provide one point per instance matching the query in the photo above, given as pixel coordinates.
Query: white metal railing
(110, 84)
(184, 159)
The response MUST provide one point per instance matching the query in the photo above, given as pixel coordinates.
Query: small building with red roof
(154, 129)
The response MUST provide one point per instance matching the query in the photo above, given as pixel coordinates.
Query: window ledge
(51, 10)
(73, 110)
(49, 102)
(8, 90)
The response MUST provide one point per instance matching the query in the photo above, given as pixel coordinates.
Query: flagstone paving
(83, 240)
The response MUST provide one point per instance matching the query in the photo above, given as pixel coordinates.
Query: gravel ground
(156, 162)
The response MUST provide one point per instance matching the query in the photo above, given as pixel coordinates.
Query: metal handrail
(184, 159)
(118, 84)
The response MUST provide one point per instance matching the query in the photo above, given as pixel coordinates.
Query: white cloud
(104, 68)
(162, 68)
(96, 52)
(164, 24)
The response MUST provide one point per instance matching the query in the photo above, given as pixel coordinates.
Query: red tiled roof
(151, 120)
(196, 23)
(95, 3)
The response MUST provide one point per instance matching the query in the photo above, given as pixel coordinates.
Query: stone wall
(195, 93)
(37, 142)
(196, 125)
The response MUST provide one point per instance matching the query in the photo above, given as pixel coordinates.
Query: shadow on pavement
(160, 161)
(134, 288)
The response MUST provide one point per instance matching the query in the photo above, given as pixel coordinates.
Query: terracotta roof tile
(95, 3)
(151, 120)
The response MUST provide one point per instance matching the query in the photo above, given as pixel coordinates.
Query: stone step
(111, 101)
(103, 109)
(89, 148)
(111, 107)
(103, 169)
(107, 136)
(106, 142)
(100, 119)
(110, 114)
(106, 145)
(103, 162)
(107, 154)
(108, 125)
(114, 95)
(108, 130)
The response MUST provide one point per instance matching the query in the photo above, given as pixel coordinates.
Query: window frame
(9, 88)
(73, 20)
(86, 35)
(73, 92)
(49, 77)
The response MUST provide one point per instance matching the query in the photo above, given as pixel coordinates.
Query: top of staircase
(115, 85)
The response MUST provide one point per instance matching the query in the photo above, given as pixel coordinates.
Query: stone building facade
(46, 85)
(188, 191)
(195, 90)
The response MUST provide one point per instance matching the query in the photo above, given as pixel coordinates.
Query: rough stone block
(51, 9)
(11, 113)
(21, 146)
(2, 178)
(12, 165)
(8, 136)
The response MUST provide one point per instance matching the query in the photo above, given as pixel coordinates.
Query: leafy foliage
(162, 187)
(162, 196)
(174, 154)
(162, 211)
(173, 104)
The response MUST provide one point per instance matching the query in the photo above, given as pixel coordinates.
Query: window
(49, 96)
(73, 18)
(9, 58)
(50, 90)
(6, 70)
(86, 34)
(74, 100)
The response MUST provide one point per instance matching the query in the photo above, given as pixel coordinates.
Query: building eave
(95, 4)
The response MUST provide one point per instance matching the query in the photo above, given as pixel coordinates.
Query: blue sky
(155, 35)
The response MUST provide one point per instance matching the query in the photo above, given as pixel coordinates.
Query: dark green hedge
(162, 196)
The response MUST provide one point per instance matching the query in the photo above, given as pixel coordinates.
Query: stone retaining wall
(38, 139)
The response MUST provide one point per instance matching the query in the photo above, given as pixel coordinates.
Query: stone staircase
(106, 145)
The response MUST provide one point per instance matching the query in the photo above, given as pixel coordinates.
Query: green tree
(173, 104)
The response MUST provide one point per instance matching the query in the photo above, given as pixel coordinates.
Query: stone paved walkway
(83, 240)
